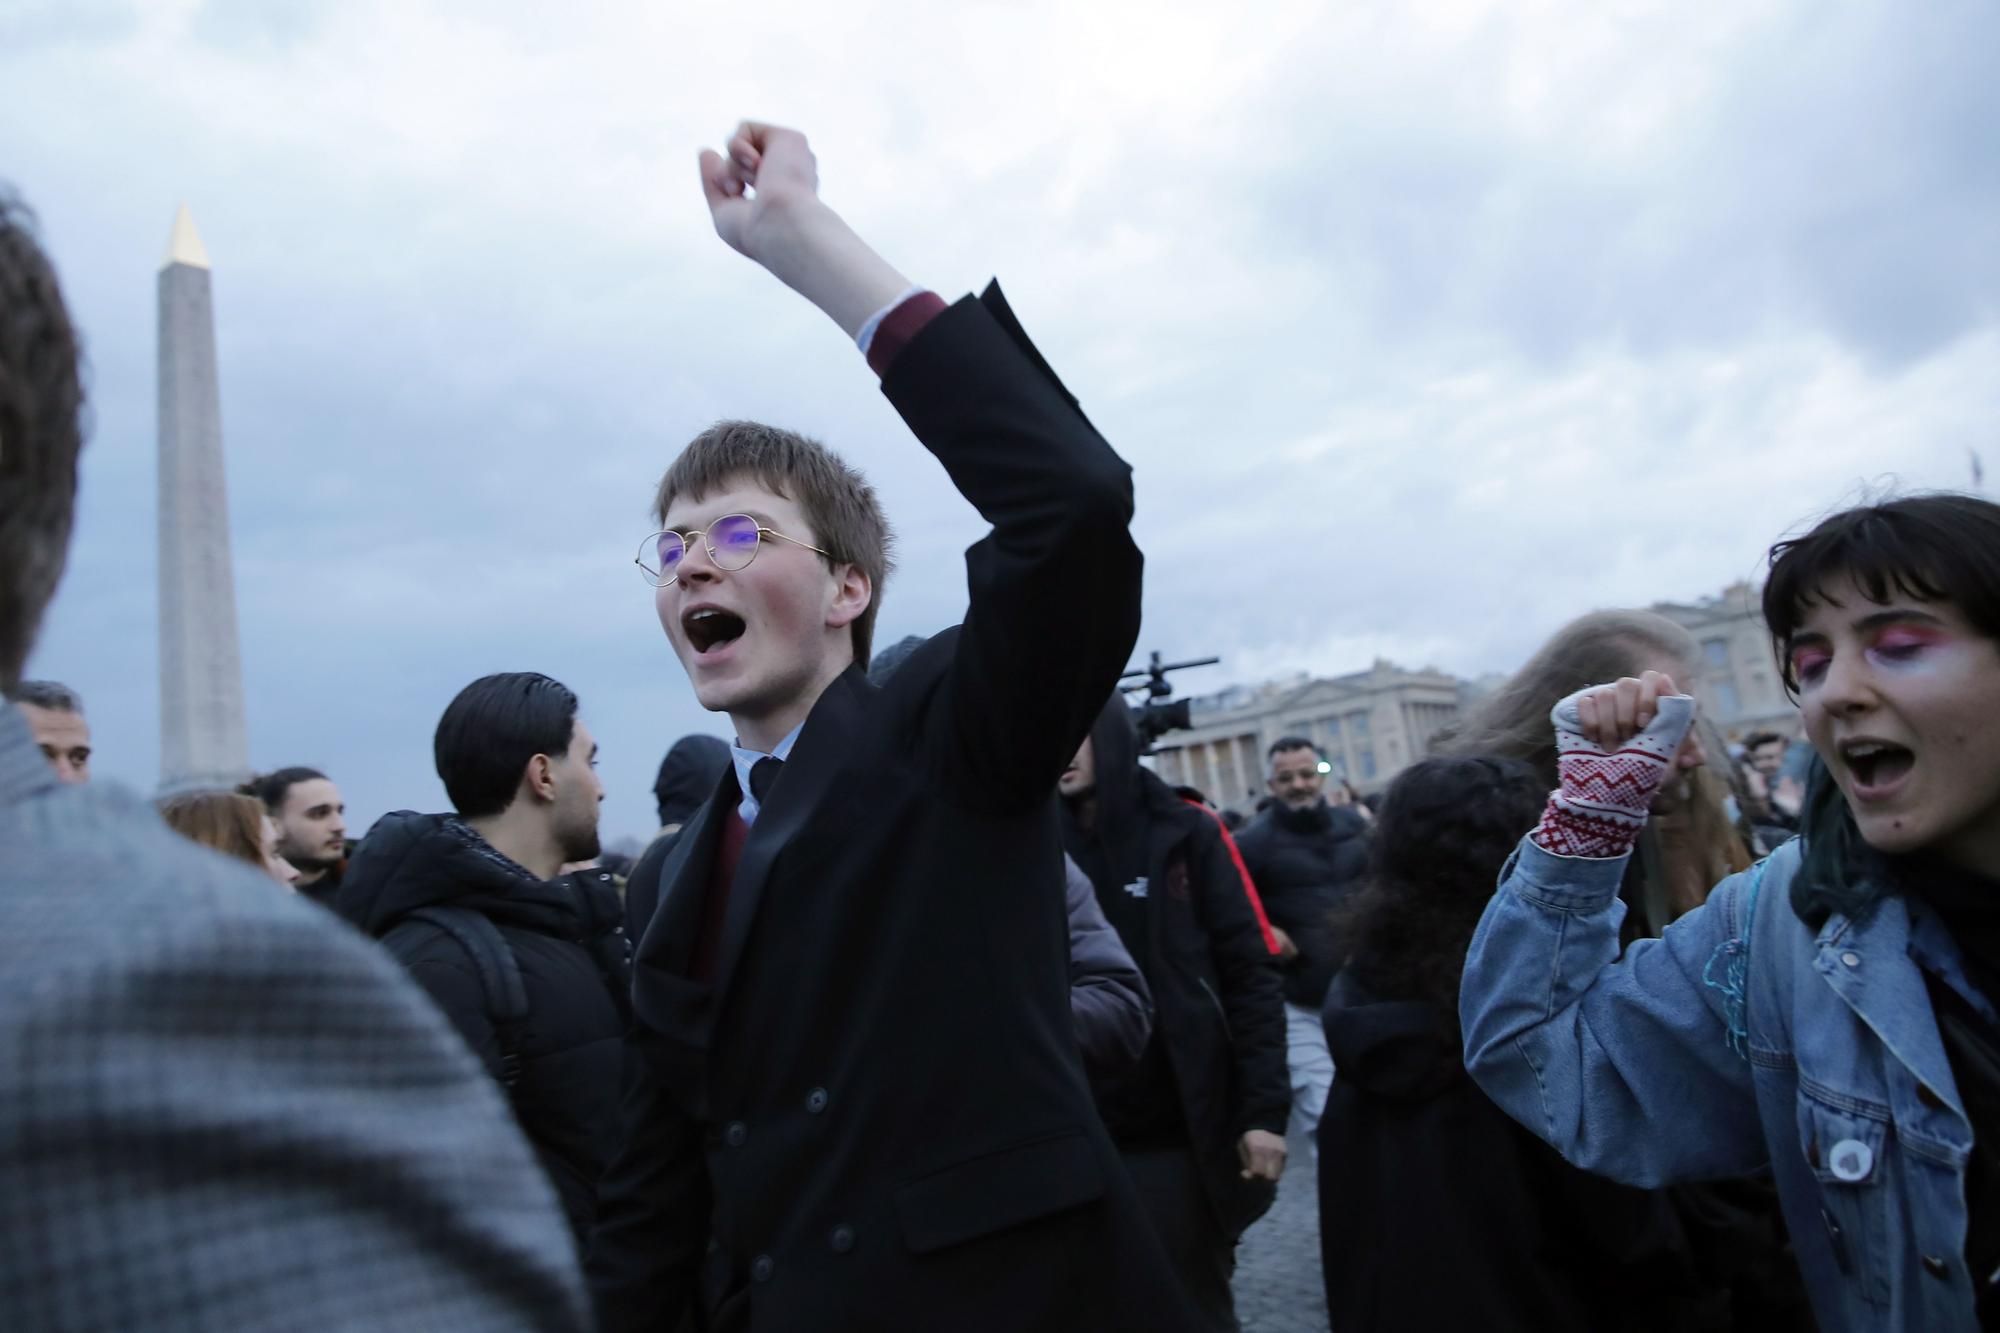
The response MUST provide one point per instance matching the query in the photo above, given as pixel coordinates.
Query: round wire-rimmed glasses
(731, 542)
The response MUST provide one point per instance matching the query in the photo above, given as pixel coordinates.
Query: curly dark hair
(41, 433)
(1446, 826)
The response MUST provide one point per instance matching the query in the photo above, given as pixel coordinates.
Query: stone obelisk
(202, 734)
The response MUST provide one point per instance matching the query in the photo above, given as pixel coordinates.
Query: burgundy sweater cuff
(899, 326)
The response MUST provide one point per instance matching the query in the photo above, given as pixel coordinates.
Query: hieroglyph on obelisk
(202, 734)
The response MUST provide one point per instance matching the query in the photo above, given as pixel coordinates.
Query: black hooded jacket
(1304, 863)
(1165, 878)
(568, 937)
(1438, 1211)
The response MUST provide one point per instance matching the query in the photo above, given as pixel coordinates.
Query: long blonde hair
(1683, 855)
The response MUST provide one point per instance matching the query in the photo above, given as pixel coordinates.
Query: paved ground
(1278, 1288)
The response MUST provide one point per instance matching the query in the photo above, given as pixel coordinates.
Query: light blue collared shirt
(747, 760)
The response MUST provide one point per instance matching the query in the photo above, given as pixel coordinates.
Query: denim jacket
(1626, 1067)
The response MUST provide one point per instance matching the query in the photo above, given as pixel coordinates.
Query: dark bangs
(1932, 548)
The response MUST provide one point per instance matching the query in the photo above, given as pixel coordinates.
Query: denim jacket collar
(1876, 966)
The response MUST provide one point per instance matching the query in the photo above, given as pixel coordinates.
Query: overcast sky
(1426, 327)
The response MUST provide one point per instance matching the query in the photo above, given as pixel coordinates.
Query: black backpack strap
(499, 977)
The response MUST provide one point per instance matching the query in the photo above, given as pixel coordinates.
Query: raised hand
(763, 196)
(769, 172)
(1615, 745)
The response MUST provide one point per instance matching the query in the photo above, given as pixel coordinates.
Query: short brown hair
(41, 433)
(228, 821)
(846, 518)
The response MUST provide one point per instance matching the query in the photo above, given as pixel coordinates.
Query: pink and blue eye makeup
(1905, 645)
(1808, 661)
(1891, 640)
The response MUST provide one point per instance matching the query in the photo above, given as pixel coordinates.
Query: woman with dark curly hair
(1436, 1209)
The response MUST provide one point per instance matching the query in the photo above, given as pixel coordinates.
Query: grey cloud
(1396, 384)
(1844, 174)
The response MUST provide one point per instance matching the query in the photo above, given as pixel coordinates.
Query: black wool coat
(566, 934)
(874, 1116)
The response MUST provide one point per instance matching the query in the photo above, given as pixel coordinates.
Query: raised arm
(764, 197)
(1609, 1059)
(1054, 589)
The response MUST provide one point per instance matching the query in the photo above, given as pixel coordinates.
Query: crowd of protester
(931, 1006)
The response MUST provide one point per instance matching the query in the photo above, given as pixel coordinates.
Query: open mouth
(710, 627)
(1876, 764)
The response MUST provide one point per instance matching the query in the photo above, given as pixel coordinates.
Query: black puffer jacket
(1438, 1211)
(1304, 863)
(1218, 1020)
(567, 934)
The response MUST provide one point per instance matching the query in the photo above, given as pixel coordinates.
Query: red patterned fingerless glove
(1601, 807)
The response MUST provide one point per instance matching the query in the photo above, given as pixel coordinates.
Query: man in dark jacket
(1305, 856)
(856, 1102)
(311, 817)
(520, 770)
(1200, 1119)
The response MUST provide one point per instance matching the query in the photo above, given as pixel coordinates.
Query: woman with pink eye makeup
(1829, 1016)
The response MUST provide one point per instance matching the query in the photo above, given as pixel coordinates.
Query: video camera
(1159, 714)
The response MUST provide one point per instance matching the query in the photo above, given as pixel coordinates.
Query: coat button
(842, 1238)
(761, 1268)
(737, 1134)
(1937, 1267)
(816, 1100)
(1851, 1160)
(1851, 959)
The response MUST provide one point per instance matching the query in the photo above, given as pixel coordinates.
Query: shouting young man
(855, 1100)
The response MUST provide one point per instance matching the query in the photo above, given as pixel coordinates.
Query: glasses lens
(733, 540)
(661, 555)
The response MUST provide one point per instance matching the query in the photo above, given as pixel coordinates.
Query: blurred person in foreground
(222, 1110)
(233, 824)
(54, 713)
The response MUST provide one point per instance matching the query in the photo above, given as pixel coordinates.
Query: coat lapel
(662, 992)
(808, 776)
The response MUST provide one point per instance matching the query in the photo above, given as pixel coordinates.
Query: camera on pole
(1159, 713)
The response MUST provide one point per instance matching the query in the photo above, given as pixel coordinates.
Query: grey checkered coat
(221, 1109)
